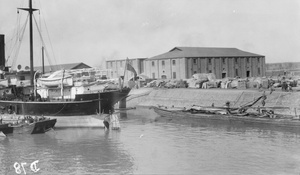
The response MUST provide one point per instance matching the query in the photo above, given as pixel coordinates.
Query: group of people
(285, 85)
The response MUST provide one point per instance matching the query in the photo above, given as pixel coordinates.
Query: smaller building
(70, 66)
(288, 68)
(118, 67)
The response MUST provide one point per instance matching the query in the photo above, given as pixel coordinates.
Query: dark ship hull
(84, 104)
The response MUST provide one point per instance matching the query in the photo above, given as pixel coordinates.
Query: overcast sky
(94, 30)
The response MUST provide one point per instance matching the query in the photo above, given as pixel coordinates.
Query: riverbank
(288, 103)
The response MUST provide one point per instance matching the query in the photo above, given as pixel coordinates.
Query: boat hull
(5, 129)
(68, 108)
(32, 128)
(84, 104)
(284, 122)
(107, 99)
(43, 126)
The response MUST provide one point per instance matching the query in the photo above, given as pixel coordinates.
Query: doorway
(163, 77)
(248, 73)
(224, 75)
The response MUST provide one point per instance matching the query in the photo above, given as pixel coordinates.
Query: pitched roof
(183, 52)
(63, 66)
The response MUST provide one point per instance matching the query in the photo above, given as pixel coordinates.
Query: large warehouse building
(183, 62)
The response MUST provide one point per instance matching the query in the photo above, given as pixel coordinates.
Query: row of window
(121, 64)
(247, 72)
(224, 60)
(195, 61)
(223, 76)
(236, 73)
(163, 63)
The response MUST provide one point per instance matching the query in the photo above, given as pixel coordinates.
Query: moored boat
(26, 124)
(84, 104)
(5, 129)
(24, 99)
(251, 118)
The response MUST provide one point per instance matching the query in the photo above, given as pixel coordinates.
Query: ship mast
(30, 11)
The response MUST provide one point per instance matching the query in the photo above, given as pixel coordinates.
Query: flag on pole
(130, 68)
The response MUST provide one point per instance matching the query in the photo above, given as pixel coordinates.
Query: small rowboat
(56, 81)
(28, 125)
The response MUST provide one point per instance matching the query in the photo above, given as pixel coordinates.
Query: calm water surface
(149, 144)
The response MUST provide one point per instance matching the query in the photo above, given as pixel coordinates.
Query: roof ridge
(181, 52)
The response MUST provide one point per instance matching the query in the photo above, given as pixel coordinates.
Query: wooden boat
(252, 118)
(54, 81)
(5, 129)
(28, 125)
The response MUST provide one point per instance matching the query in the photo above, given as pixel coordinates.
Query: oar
(271, 107)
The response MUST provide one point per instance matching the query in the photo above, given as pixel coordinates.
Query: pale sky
(94, 30)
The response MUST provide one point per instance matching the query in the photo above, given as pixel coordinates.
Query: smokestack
(2, 51)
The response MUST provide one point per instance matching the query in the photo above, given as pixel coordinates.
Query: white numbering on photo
(20, 167)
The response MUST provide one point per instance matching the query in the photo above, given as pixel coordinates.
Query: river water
(149, 144)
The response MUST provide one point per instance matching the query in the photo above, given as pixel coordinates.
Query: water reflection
(65, 151)
(228, 125)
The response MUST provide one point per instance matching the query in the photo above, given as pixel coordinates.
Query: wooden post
(122, 103)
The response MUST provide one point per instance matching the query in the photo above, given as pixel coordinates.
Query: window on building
(195, 72)
(174, 62)
(258, 60)
(85, 74)
(236, 60)
(22, 77)
(223, 60)
(110, 64)
(174, 75)
(236, 72)
(248, 60)
(163, 63)
(195, 61)
(153, 63)
(209, 71)
(153, 75)
(209, 60)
